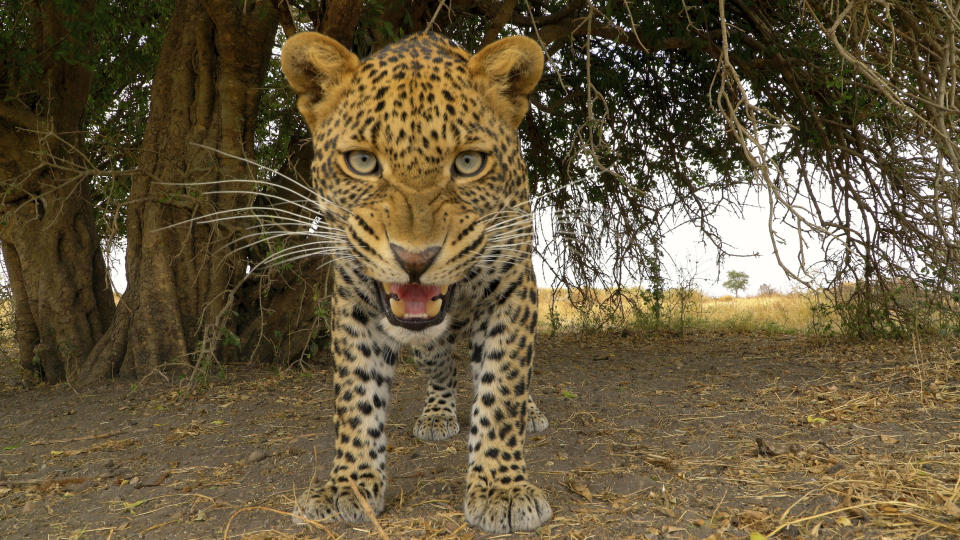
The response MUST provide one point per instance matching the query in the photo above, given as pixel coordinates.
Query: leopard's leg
(364, 368)
(536, 420)
(438, 420)
(499, 497)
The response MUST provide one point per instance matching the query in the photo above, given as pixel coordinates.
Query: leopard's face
(418, 168)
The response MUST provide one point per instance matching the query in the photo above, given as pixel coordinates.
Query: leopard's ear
(507, 71)
(317, 68)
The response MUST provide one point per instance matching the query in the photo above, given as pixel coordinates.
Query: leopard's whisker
(325, 244)
(300, 252)
(273, 171)
(291, 256)
(300, 196)
(237, 213)
(518, 225)
(511, 224)
(531, 201)
(261, 222)
(268, 220)
(276, 236)
(498, 214)
(524, 241)
(506, 253)
(512, 233)
(272, 196)
(291, 260)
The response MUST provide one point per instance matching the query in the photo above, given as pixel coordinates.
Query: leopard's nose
(415, 263)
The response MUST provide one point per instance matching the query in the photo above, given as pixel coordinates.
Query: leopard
(424, 196)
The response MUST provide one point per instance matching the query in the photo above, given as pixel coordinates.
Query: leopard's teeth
(398, 308)
(433, 307)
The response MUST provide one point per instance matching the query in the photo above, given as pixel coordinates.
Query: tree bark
(340, 18)
(62, 300)
(205, 92)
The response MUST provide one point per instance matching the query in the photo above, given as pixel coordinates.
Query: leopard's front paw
(337, 501)
(536, 421)
(436, 426)
(516, 507)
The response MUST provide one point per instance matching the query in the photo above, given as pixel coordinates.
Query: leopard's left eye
(469, 163)
(362, 162)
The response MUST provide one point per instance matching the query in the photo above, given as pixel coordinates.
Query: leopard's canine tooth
(433, 307)
(398, 308)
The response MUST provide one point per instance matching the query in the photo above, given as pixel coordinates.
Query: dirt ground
(702, 436)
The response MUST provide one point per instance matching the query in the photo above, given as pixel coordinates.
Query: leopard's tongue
(415, 301)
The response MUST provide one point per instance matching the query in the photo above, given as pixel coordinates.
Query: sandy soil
(702, 436)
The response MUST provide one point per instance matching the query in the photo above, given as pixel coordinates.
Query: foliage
(279, 128)
(621, 142)
(128, 37)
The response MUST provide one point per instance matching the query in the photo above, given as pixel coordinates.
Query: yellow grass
(684, 310)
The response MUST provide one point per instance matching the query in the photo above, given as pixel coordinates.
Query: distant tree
(736, 281)
(767, 290)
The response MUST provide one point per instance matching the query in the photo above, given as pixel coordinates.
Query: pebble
(256, 456)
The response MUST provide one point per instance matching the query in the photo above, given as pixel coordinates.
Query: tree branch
(340, 19)
(499, 20)
(286, 18)
(21, 117)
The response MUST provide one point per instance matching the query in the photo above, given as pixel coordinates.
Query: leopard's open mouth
(412, 305)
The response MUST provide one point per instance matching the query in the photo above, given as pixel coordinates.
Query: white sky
(748, 235)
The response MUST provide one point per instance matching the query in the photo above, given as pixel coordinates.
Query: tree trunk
(205, 92)
(61, 298)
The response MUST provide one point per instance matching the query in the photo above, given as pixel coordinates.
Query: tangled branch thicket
(871, 173)
(844, 113)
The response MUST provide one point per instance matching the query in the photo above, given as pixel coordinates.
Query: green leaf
(568, 394)
(129, 506)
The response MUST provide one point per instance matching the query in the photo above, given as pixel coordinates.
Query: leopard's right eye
(362, 162)
(469, 163)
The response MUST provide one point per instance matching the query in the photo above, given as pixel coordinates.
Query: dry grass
(791, 312)
(687, 310)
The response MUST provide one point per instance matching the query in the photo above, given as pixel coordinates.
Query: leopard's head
(417, 165)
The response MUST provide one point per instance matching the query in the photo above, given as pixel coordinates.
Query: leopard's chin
(414, 306)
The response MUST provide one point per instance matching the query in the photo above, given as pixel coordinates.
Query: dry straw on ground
(708, 435)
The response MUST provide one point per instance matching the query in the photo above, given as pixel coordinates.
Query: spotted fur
(416, 106)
